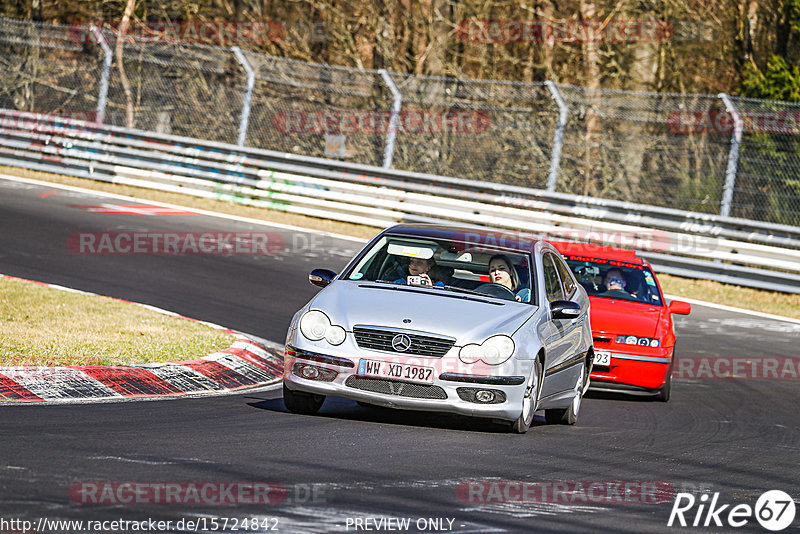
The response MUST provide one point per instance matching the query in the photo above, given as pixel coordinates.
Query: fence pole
(102, 96)
(248, 94)
(558, 139)
(397, 101)
(733, 156)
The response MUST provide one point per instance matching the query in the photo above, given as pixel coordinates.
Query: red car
(632, 328)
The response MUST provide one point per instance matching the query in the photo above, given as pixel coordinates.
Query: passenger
(420, 267)
(502, 272)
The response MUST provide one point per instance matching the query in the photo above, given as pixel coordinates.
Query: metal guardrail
(715, 154)
(744, 252)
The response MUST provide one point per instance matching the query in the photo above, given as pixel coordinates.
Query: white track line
(176, 206)
(733, 309)
(334, 235)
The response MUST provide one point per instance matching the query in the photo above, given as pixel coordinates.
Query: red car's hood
(624, 317)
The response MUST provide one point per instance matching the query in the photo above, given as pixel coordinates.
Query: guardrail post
(102, 96)
(397, 101)
(558, 139)
(248, 94)
(733, 155)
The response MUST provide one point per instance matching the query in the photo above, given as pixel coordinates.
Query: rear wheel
(302, 403)
(530, 401)
(568, 416)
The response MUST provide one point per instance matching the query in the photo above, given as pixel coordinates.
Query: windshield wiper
(465, 290)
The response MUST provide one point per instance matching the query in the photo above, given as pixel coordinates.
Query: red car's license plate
(602, 358)
(396, 371)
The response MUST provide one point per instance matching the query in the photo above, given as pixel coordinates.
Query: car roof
(591, 250)
(505, 239)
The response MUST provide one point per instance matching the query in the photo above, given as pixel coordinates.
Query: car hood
(470, 319)
(624, 317)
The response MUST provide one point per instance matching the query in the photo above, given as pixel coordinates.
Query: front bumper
(451, 391)
(645, 371)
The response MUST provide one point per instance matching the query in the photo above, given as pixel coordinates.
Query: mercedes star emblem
(401, 342)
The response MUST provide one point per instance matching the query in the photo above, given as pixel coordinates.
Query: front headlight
(315, 325)
(493, 351)
(641, 341)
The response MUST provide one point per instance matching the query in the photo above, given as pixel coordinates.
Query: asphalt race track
(356, 469)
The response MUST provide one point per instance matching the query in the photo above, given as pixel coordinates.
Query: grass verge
(44, 326)
(783, 304)
(729, 295)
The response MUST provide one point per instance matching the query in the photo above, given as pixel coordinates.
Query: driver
(502, 272)
(615, 283)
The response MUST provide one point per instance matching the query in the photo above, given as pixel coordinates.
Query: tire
(664, 393)
(302, 403)
(568, 416)
(529, 405)
(587, 375)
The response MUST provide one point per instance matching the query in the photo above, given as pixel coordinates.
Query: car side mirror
(321, 277)
(680, 307)
(565, 309)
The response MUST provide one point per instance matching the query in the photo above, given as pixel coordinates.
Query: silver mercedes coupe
(445, 319)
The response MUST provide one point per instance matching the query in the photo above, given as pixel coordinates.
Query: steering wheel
(496, 290)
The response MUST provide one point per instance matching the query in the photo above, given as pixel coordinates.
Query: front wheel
(664, 392)
(302, 403)
(568, 416)
(530, 402)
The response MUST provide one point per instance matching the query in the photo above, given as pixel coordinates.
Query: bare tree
(126, 85)
(591, 75)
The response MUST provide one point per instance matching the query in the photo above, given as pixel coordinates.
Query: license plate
(602, 359)
(396, 371)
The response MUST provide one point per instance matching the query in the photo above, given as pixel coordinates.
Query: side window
(566, 277)
(552, 285)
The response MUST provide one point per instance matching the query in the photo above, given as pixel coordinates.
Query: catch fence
(708, 154)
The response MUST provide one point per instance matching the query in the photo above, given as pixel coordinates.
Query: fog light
(484, 396)
(309, 372)
(313, 372)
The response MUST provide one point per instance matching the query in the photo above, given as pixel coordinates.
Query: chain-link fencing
(45, 69)
(643, 147)
(703, 153)
(190, 90)
(768, 170)
(485, 130)
(318, 110)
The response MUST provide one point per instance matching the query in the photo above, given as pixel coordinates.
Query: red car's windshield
(615, 279)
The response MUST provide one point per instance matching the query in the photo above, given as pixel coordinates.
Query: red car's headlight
(642, 341)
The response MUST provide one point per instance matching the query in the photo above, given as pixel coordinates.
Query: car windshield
(615, 279)
(445, 265)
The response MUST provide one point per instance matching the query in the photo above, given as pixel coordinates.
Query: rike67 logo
(774, 510)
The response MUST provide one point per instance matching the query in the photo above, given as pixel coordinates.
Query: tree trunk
(126, 86)
(591, 72)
